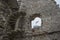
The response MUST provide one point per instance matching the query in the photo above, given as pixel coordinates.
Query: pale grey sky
(58, 2)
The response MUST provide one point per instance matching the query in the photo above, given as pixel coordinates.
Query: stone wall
(50, 14)
(19, 27)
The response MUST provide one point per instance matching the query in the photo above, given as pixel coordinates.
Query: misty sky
(58, 2)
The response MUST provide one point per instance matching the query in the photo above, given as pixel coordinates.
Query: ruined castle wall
(47, 10)
(50, 15)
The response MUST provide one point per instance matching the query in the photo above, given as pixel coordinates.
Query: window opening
(36, 23)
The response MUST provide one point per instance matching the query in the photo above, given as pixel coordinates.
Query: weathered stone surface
(47, 10)
(50, 14)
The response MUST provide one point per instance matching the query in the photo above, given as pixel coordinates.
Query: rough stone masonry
(17, 24)
(50, 14)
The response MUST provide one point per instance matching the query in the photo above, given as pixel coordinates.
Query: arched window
(36, 23)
